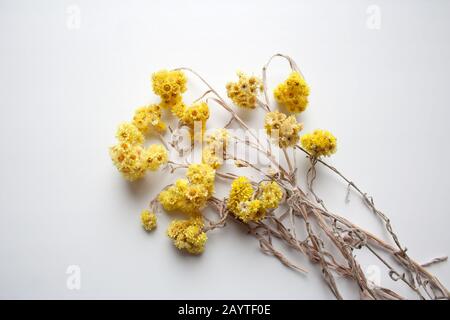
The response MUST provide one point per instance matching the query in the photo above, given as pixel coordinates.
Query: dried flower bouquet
(276, 208)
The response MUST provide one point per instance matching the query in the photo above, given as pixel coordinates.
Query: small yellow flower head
(273, 121)
(155, 156)
(127, 154)
(247, 205)
(188, 234)
(216, 144)
(270, 194)
(148, 220)
(319, 143)
(173, 198)
(283, 129)
(250, 211)
(202, 174)
(149, 117)
(244, 92)
(128, 160)
(189, 195)
(132, 160)
(218, 137)
(210, 158)
(241, 190)
(178, 109)
(195, 115)
(127, 132)
(169, 104)
(239, 201)
(169, 85)
(196, 112)
(293, 93)
(195, 197)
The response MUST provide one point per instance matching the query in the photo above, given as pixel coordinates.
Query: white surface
(384, 93)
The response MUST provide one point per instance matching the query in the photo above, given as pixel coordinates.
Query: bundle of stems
(329, 239)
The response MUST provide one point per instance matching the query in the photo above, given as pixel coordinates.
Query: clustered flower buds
(319, 143)
(128, 132)
(196, 114)
(189, 195)
(169, 85)
(244, 93)
(149, 117)
(188, 234)
(250, 205)
(148, 220)
(215, 148)
(293, 93)
(283, 129)
(131, 158)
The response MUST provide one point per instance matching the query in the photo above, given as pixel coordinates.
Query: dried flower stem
(399, 253)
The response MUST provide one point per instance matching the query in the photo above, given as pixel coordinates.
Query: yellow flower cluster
(283, 129)
(128, 160)
(248, 205)
(319, 143)
(131, 158)
(197, 113)
(189, 195)
(270, 194)
(188, 234)
(216, 145)
(244, 92)
(202, 174)
(154, 156)
(293, 93)
(169, 85)
(149, 117)
(148, 220)
(178, 109)
(128, 132)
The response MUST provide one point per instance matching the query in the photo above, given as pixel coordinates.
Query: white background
(64, 88)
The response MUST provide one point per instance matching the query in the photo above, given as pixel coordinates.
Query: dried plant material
(293, 93)
(148, 220)
(169, 85)
(328, 240)
(244, 92)
(282, 129)
(319, 143)
(133, 161)
(188, 234)
(148, 118)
